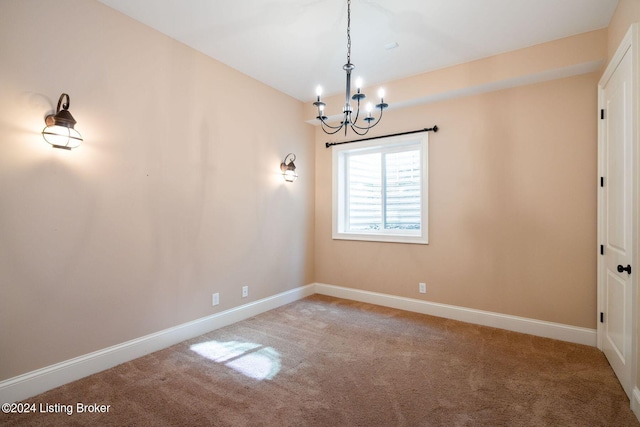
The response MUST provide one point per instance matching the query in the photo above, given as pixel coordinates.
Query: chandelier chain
(348, 31)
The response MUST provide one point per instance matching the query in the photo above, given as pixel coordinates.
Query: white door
(616, 269)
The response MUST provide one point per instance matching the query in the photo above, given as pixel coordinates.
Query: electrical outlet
(245, 291)
(422, 287)
(215, 299)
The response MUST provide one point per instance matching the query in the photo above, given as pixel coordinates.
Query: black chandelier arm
(355, 128)
(336, 129)
(325, 124)
(322, 118)
(370, 126)
(357, 111)
(357, 99)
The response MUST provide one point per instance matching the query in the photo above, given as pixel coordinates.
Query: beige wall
(175, 194)
(512, 203)
(627, 12)
(560, 58)
(512, 216)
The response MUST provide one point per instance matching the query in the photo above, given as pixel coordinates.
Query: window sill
(386, 238)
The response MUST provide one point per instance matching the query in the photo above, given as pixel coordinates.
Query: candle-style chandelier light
(349, 120)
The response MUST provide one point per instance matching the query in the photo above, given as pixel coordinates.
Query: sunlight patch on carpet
(250, 359)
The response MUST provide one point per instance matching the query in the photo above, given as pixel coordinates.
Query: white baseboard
(635, 402)
(41, 380)
(486, 318)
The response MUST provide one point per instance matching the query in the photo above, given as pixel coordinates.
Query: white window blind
(380, 190)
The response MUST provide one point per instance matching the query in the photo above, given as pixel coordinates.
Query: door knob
(627, 269)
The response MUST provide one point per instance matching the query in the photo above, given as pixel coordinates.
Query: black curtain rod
(434, 129)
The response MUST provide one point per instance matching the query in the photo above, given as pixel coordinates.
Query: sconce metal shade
(289, 168)
(60, 132)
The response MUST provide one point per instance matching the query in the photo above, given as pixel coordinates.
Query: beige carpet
(328, 362)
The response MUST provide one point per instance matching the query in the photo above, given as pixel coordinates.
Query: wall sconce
(59, 131)
(288, 168)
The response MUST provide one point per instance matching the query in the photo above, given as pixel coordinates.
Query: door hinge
(601, 249)
(601, 317)
(602, 181)
(602, 114)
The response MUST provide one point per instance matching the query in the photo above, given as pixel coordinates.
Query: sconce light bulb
(359, 83)
(288, 168)
(381, 93)
(62, 137)
(319, 91)
(59, 130)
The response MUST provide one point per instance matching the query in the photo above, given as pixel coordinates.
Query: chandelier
(349, 120)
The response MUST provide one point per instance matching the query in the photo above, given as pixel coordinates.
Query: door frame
(629, 42)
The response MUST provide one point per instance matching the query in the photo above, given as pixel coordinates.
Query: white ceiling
(295, 45)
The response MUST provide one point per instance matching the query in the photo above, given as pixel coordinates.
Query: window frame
(340, 189)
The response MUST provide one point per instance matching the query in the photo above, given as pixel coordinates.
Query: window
(380, 190)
